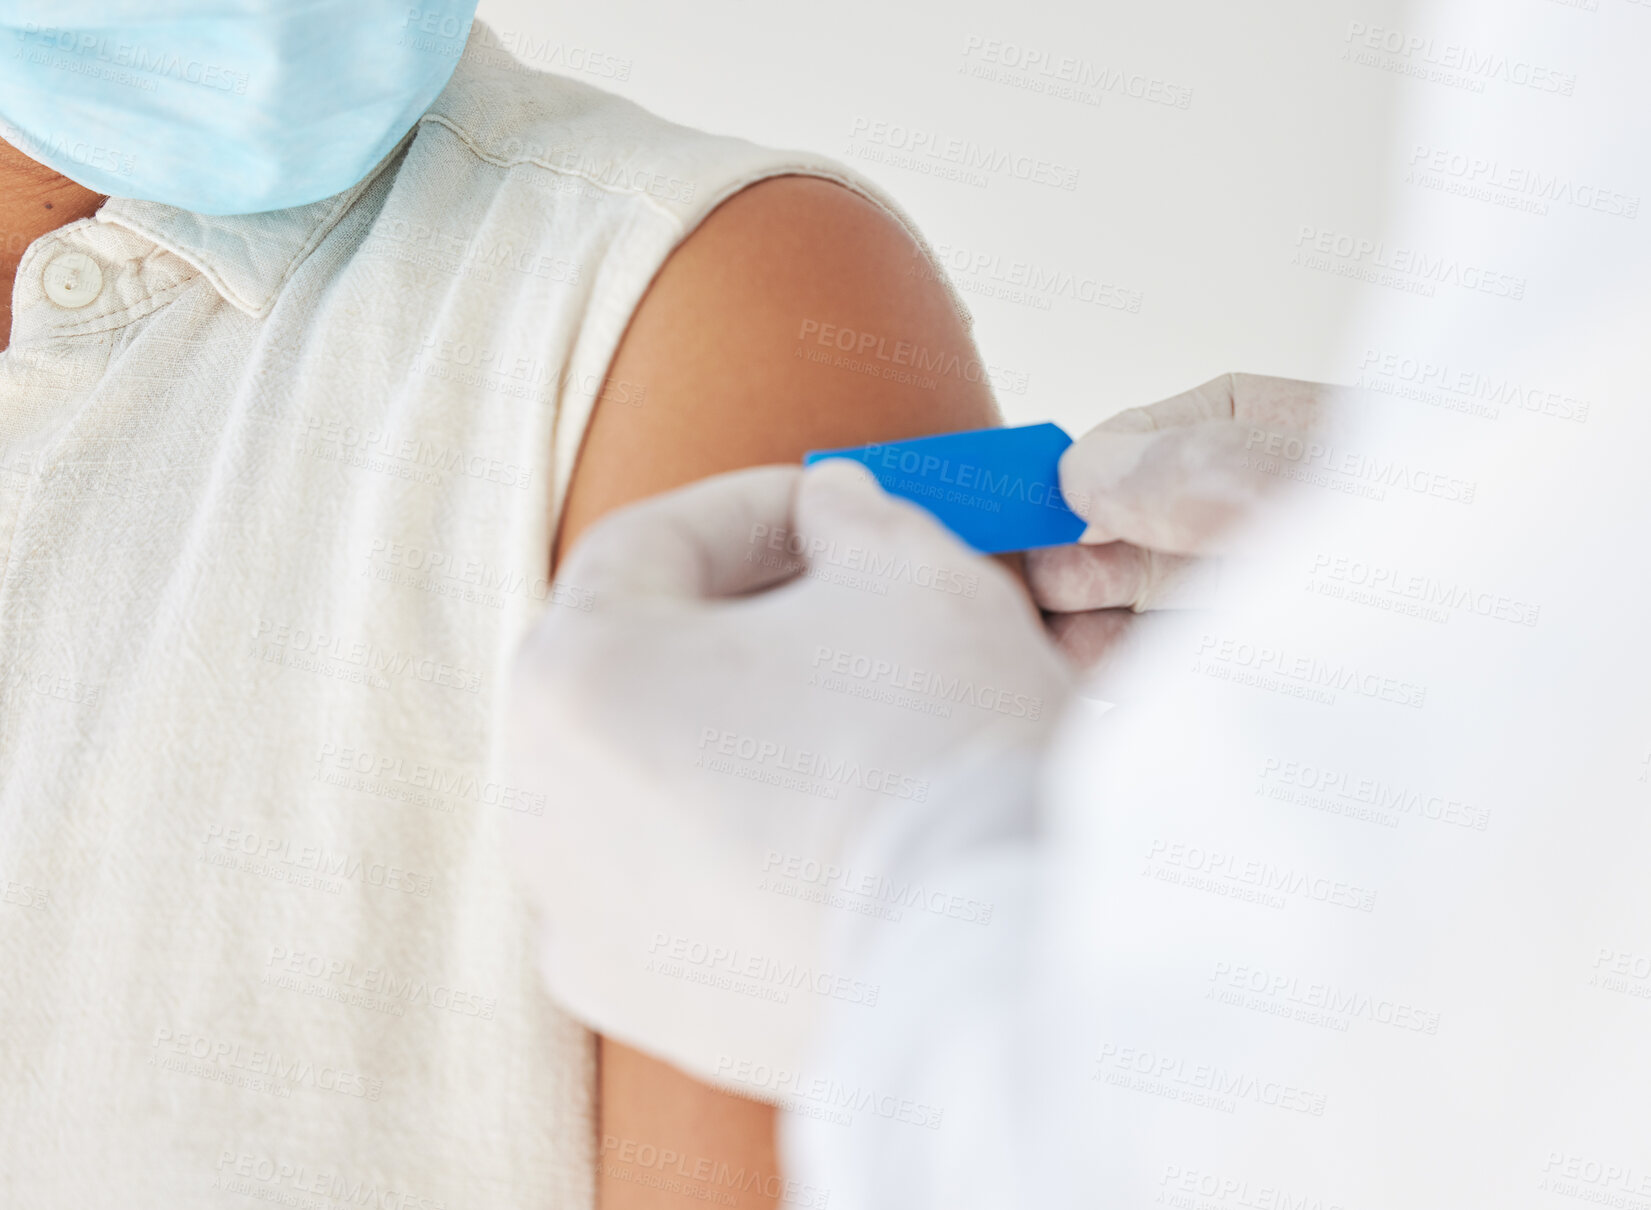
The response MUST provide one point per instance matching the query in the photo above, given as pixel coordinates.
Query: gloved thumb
(842, 510)
(713, 538)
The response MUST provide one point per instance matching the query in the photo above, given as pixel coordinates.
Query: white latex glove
(1160, 486)
(716, 721)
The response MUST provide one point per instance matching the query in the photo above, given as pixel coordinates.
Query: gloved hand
(771, 660)
(1160, 486)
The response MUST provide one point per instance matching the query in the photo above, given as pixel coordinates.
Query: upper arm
(738, 349)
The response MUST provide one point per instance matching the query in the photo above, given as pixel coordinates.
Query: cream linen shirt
(276, 499)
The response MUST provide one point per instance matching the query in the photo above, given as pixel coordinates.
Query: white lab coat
(1348, 902)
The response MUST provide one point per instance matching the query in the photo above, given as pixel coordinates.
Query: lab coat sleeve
(930, 1098)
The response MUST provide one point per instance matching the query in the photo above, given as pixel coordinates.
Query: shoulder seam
(784, 164)
(511, 162)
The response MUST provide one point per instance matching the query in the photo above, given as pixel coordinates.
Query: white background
(1196, 210)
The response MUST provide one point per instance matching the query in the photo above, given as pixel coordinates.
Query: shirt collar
(246, 257)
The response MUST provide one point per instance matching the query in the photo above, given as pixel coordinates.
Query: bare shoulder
(798, 315)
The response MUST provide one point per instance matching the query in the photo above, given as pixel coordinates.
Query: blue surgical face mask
(221, 106)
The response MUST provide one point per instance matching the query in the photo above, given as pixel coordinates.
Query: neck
(33, 200)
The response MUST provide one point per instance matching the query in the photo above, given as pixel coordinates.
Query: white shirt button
(73, 280)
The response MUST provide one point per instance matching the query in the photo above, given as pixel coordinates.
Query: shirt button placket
(42, 372)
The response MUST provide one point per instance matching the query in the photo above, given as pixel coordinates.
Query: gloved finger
(1097, 469)
(1087, 638)
(842, 513)
(1116, 575)
(1174, 491)
(1212, 400)
(1290, 403)
(710, 539)
(841, 507)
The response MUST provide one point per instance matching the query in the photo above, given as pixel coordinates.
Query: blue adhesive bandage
(997, 489)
